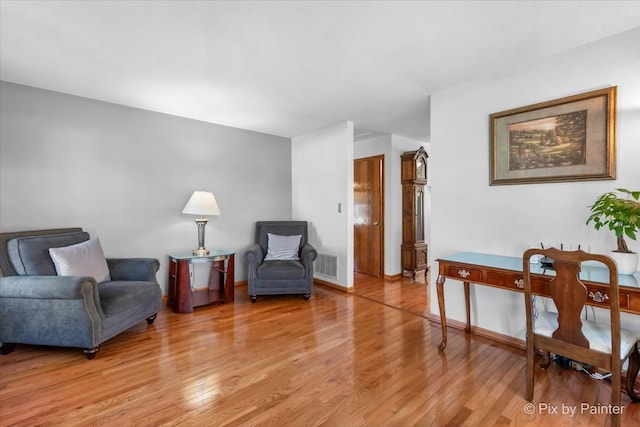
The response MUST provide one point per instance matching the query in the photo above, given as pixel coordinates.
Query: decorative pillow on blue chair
(82, 259)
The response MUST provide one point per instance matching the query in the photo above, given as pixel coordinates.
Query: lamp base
(201, 252)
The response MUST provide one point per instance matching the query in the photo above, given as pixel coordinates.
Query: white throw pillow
(83, 259)
(283, 247)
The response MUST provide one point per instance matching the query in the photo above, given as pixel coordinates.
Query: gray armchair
(280, 276)
(38, 307)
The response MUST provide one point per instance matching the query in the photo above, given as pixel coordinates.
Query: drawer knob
(598, 297)
(464, 273)
(519, 283)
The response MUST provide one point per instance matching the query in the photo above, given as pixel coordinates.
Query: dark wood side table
(221, 280)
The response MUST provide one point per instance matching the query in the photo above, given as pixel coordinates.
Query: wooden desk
(506, 273)
(220, 288)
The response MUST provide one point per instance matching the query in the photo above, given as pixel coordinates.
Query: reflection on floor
(405, 294)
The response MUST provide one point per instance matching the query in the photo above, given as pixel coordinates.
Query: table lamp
(201, 203)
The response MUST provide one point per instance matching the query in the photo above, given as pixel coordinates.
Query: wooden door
(369, 216)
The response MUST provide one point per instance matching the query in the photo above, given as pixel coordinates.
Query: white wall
(470, 215)
(322, 178)
(125, 174)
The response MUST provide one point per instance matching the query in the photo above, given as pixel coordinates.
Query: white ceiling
(285, 68)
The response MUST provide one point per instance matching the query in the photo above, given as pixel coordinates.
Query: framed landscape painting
(567, 139)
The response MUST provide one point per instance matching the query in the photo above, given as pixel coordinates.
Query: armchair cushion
(121, 296)
(283, 247)
(82, 259)
(281, 270)
(29, 255)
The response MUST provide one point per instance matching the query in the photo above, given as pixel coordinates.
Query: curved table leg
(443, 317)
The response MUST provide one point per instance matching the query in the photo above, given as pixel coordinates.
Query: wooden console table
(220, 288)
(506, 273)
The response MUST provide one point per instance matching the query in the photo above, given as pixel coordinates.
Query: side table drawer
(465, 273)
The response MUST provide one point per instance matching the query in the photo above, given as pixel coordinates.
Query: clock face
(421, 169)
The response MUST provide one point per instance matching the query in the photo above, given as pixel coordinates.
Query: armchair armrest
(308, 254)
(51, 310)
(141, 269)
(48, 287)
(254, 256)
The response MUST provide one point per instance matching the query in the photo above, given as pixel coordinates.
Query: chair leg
(546, 360)
(306, 297)
(254, 298)
(615, 396)
(91, 352)
(529, 373)
(7, 347)
(529, 391)
(150, 319)
(632, 373)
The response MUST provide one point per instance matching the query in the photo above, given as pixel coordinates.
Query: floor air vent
(327, 265)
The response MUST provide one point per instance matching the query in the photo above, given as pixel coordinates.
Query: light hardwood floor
(365, 359)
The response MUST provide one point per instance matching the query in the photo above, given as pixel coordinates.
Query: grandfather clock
(414, 178)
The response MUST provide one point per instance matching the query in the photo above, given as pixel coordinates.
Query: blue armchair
(38, 307)
(280, 276)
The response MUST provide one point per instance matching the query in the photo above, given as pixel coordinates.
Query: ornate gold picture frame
(566, 139)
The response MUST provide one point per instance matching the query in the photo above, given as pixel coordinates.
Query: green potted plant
(620, 214)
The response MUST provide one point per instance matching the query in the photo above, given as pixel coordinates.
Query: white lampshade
(202, 203)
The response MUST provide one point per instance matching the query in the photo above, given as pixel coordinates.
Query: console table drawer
(465, 273)
(515, 282)
(600, 297)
